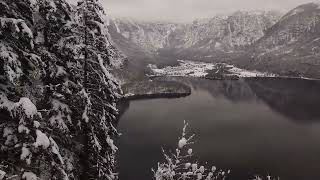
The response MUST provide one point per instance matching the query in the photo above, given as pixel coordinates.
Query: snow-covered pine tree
(27, 146)
(100, 91)
(55, 123)
(58, 37)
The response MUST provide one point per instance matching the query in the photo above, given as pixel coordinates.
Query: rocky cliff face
(221, 33)
(150, 36)
(227, 33)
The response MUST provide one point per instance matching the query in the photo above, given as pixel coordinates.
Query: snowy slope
(150, 36)
(293, 44)
(228, 32)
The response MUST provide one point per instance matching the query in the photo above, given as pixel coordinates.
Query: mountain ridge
(291, 46)
(287, 45)
(211, 33)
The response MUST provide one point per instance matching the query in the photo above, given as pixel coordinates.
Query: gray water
(249, 126)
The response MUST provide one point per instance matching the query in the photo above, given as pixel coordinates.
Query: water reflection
(249, 126)
(295, 98)
(235, 91)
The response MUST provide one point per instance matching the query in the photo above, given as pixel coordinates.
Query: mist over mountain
(220, 33)
(261, 40)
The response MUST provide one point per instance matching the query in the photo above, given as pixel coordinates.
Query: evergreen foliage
(57, 95)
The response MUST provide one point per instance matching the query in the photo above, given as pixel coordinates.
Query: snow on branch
(180, 165)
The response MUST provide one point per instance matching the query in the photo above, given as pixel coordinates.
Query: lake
(253, 126)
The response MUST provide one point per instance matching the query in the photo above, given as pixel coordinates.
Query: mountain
(57, 94)
(224, 33)
(150, 36)
(292, 45)
(139, 41)
(260, 40)
(203, 37)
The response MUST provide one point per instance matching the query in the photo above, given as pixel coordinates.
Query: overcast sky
(188, 10)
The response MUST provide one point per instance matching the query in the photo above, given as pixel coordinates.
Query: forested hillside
(57, 96)
(291, 46)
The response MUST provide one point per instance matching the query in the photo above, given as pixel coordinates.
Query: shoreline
(155, 96)
(170, 94)
(215, 71)
(239, 78)
(156, 88)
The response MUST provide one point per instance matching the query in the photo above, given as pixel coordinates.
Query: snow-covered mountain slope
(226, 33)
(265, 41)
(150, 36)
(221, 33)
(300, 24)
(293, 44)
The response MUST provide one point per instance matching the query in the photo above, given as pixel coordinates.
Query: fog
(188, 10)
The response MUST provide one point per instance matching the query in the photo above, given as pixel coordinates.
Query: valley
(214, 71)
(248, 82)
(265, 41)
(86, 95)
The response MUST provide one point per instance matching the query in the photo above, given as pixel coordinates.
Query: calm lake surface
(249, 126)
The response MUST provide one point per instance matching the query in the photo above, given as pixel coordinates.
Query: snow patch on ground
(200, 69)
(186, 68)
(246, 73)
(129, 95)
